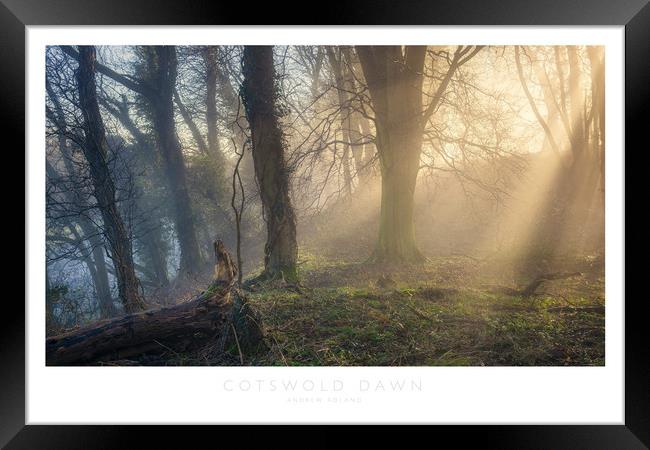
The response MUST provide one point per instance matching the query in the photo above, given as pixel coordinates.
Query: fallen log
(220, 314)
(530, 289)
(533, 285)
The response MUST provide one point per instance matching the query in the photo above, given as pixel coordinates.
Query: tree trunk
(399, 169)
(260, 93)
(215, 154)
(566, 211)
(96, 264)
(394, 79)
(359, 126)
(150, 236)
(95, 149)
(368, 148)
(102, 286)
(172, 157)
(218, 313)
(210, 59)
(597, 62)
(149, 331)
(51, 324)
(98, 270)
(345, 112)
(577, 103)
(196, 134)
(153, 244)
(159, 91)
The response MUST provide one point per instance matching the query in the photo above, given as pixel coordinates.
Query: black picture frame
(15, 15)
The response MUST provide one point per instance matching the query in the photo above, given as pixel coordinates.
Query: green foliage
(437, 315)
(343, 324)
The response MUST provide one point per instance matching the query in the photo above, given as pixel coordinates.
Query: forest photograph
(325, 205)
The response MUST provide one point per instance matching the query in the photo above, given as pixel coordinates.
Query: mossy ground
(435, 314)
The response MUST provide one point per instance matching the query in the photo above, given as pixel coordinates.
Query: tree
(360, 135)
(93, 252)
(569, 207)
(259, 92)
(157, 86)
(162, 65)
(95, 149)
(597, 65)
(354, 121)
(394, 76)
(149, 229)
(343, 89)
(210, 58)
(218, 315)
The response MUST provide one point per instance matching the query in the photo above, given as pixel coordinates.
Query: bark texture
(157, 87)
(96, 263)
(211, 72)
(260, 96)
(394, 75)
(176, 327)
(219, 315)
(150, 233)
(95, 149)
(165, 71)
(394, 79)
(93, 253)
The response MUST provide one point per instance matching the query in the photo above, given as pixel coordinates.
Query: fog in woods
(374, 205)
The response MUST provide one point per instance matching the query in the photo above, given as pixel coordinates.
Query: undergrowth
(435, 314)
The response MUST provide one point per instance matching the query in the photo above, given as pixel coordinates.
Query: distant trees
(161, 66)
(355, 129)
(83, 232)
(150, 196)
(156, 85)
(95, 149)
(259, 93)
(361, 138)
(86, 237)
(343, 90)
(142, 142)
(394, 75)
(574, 129)
(596, 57)
(574, 104)
(209, 54)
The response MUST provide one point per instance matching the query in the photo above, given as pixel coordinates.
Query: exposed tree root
(529, 290)
(595, 309)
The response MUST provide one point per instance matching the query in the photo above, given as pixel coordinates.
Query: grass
(440, 313)
(436, 315)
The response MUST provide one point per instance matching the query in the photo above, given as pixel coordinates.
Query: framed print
(403, 214)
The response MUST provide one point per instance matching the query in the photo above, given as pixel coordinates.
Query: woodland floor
(441, 313)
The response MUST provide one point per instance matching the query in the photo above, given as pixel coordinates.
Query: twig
(241, 357)
(418, 312)
(164, 346)
(280, 350)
